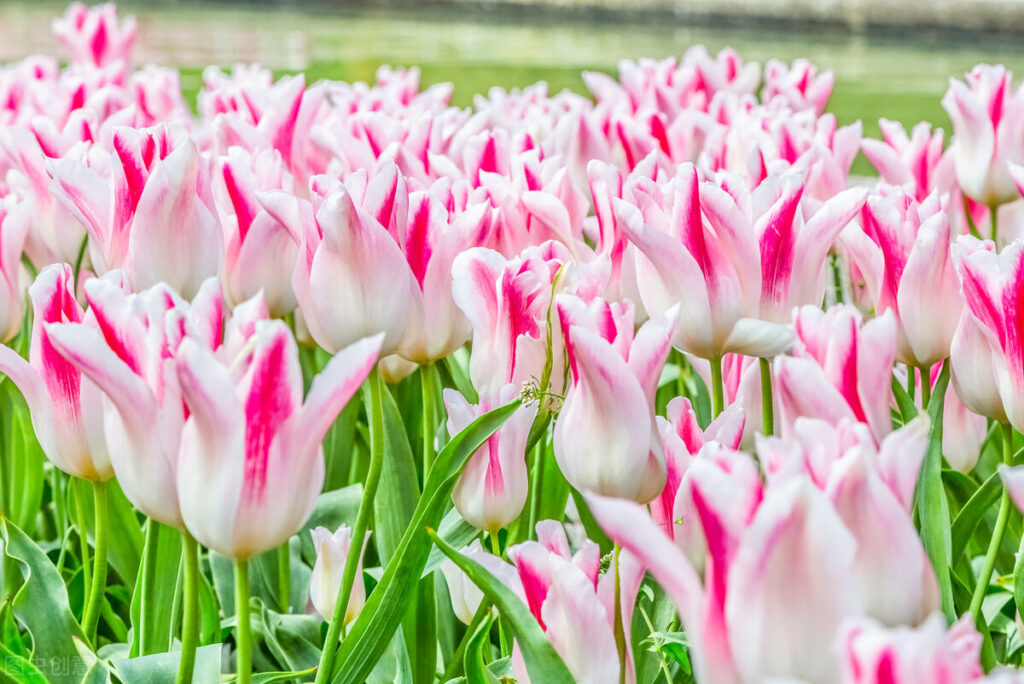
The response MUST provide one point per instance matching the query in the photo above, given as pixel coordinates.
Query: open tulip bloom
(650, 389)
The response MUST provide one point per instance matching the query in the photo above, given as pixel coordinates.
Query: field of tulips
(339, 383)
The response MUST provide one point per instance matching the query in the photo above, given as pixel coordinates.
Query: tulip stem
(91, 616)
(284, 577)
(428, 386)
(455, 662)
(190, 596)
(717, 390)
(325, 669)
(503, 640)
(926, 387)
(997, 533)
(243, 628)
(620, 632)
(148, 579)
(767, 403)
(993, 223)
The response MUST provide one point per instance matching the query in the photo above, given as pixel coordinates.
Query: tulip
(972, 370)
(914, 162)
(331, 552)
(92, 36)
(65, 407)
(465, 595)
(153, 215)
(767, 607)
(868, 488)
(988, 133)
(904, 254)
(573, 603)
(251, 464)
(800, 86)
(872, 654)
(15, 222)
(491, 491)
(352, 279)
(435, 236)
(129, 354)
(260, 251)
(603, 438)
(992, 294)
(841, 368)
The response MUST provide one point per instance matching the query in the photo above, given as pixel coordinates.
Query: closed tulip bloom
(799, 85)
(331, 553)
(465, 595)
(492, 488)
(352, 279)
(914, 162)
(260, 251)
(604, 438)
(128, 351)
(153, 216)
(991, 287)
(15, 222)
(903, 251)
(988, 132)
(251, 464)
(66, 407)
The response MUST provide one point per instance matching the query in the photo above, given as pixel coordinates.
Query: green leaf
(292, 640)
(454, 530)
(475, 661)
(371, 632)
(395, 502)
(41, 606)
(162, 668)
(930, 500)
(275, 677)
(154, 594)
(541, 660)
(966, 522)
(908, 410)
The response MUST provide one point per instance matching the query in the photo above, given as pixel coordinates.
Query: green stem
(997, 533)
(190, 598)
(75, 489)
(837, 279)
(91, 616)
(993, 210)
(717, 390)
(148, 579)
(536, 481)
(620, 634)
(80, 256)
(503, 637)
(970, 219)
(243, 628)
(926, 386)
(325, 669)
(284, 577)
(455, 663)
(767, 403)
(429, 395)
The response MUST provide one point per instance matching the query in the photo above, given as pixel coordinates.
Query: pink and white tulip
(65, 406)
(92, 36)
(492, 488)
(332, 549)
(251, 463)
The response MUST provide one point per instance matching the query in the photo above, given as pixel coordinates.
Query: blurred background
(890, 58)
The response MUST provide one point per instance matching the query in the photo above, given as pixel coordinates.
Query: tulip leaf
(162, 668)
(371, 632)
(154, 594)
(930, 501)
(475, 662)
(908, 410)
(454, 530)
(539, 656)
(395, 502)
(966, 521)
(292, 640)
(41, 606)
(21, 470)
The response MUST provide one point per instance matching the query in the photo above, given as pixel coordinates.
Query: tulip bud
(331, 553)
(492, 488)
(465, 595)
